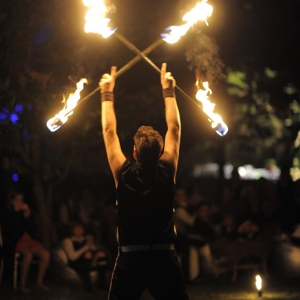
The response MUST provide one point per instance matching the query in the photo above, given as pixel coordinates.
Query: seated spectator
(20, 232)
(228, 228)
(248, 229)
(84, 256)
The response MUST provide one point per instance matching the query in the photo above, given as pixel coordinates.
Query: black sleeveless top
(78, 245)
(145, 204)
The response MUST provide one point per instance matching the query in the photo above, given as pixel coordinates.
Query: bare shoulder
(169, 162)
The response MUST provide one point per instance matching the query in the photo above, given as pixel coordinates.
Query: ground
(274, 287)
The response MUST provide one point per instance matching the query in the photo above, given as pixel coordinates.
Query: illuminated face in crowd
(18, 202)
(78, 231)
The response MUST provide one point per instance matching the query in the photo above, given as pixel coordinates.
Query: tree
(44, 52)
(40, 48)
(259, 132)
(257, 42)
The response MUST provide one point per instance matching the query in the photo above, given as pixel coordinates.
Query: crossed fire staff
(97, 22)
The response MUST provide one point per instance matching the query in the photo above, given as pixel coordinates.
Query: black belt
(146, 247)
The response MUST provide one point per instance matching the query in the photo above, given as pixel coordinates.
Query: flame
(258, 282)
(96, 21)
(62, 117)
(200, 12)
(208, 107)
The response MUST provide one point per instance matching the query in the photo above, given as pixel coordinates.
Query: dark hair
(76, 223)
(11, 196)
(202, 204)
(149, 145)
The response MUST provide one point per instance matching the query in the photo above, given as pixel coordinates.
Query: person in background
(184, 222)
(206, 232)
(84, 256)
(21, 231)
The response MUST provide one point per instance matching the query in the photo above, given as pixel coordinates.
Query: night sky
(250, 35)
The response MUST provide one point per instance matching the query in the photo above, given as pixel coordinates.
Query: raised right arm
(114, 153)
(172, 138)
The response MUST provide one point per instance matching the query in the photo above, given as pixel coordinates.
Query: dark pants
(157, 271)
(182, 246)
(83, 268)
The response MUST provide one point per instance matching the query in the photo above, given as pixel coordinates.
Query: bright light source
(59, 119)
(242, 171)
(258, 283)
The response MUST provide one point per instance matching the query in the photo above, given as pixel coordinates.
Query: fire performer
(145, 201)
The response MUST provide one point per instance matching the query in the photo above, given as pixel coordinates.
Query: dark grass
(274, 287)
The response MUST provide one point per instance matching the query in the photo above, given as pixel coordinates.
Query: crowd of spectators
(85, 226)
(83, 241)
(244, 210)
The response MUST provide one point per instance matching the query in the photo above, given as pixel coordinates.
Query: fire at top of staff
(208, 107)
(96, 20)
(200, 12)
(59, 119)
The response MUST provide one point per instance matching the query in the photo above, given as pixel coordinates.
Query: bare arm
(172, 139)
(114, 153)
(182, 215)
(70, 251)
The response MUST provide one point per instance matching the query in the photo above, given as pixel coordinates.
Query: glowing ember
(96, 21)
(200, 12)
(258, 282)
(62, 117)
(208, 107)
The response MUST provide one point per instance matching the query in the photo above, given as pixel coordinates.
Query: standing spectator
(204, 229)
(232, 190)
(195, 196)
(184, 222)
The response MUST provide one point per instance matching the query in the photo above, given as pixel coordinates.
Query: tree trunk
(44, 216)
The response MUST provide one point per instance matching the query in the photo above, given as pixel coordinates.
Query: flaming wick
(56, 122)
(200, 12)
(96, 21)
(62, 117)
(208, 107)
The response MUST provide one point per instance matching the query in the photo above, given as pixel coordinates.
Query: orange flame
(200, 12)
(62, 117)
(217, 122)
(96, 21)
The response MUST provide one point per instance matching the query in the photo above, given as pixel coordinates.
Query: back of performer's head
(148, 145)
